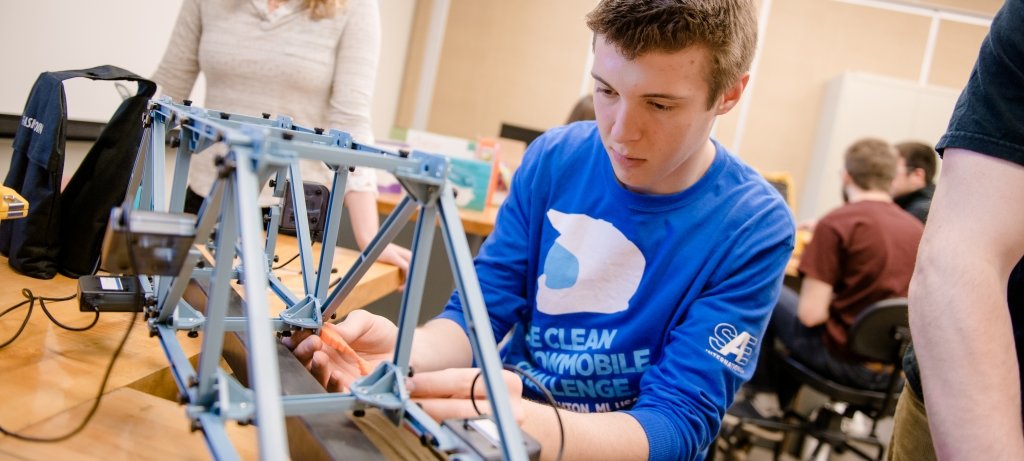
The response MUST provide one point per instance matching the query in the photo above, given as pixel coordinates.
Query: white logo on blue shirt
(728, 341)
(590, 267)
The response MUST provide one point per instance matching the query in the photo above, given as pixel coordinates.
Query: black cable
(472, 393)
(31, 299)
(547, 396)
(551, 401)
(95, 403)
(279, 266)
(129, 240)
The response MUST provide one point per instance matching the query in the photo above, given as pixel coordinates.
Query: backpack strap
(146, 87)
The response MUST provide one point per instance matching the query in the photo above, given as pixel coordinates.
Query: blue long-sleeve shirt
(649, 304)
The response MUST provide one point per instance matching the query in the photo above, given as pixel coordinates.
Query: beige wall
(956, 48)
(523, 62)
(811, 42)
(520, 62)
(808, 43)
(982, 7)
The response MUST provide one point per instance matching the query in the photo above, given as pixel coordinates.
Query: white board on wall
(858, 105)
(51, 35)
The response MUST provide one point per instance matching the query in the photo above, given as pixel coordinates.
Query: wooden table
(380, 280)
(128, 425)
(480, 223)
(48, 370)
(49, 376)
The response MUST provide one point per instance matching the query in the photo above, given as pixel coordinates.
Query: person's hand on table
(371, 336)
(399, 257)
(445, 394)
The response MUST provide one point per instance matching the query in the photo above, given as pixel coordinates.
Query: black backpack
(64, 230)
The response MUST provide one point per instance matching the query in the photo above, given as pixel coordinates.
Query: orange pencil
(333, 339)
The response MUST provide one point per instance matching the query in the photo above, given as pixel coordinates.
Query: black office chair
(880, 334)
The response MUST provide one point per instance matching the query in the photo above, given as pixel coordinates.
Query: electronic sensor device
(110, 294)
(159, 242)
(481, 435)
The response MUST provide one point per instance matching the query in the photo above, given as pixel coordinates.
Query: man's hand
(445, 394)
(371, 336)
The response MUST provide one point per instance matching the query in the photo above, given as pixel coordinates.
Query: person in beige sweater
(312, 60)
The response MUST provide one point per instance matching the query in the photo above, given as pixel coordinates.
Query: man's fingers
(321, 368)
(442, 409)
(356, 325)
(456, 383)
(449, 383)
(336, 382)
(304, 349)
(513, 382)
(296, 338)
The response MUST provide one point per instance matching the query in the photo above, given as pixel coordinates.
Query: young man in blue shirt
(636, 261)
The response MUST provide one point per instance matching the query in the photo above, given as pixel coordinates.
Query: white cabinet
(858, 105)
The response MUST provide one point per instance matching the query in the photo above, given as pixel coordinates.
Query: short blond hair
(871, 164)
